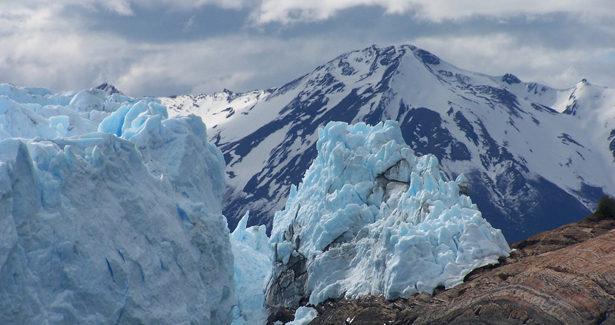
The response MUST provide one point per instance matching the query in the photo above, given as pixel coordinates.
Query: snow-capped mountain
(535, 157)
(109, 89)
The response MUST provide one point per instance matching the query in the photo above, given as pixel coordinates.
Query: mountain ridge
(518, 143)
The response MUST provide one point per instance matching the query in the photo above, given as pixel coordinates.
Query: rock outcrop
(563, 276)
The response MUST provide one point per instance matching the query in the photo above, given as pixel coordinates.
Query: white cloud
(121, 7)
(292, 11)
(498, 54)
(55, 59)
(239, 63)
(38, 49)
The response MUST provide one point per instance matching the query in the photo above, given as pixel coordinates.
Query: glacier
(110, 213)
(371, 217)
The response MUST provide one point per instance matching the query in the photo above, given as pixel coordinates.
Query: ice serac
(109, 213)
(370, 217)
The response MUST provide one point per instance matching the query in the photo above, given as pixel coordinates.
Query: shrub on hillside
(606, 207)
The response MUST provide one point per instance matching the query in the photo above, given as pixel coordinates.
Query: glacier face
(536, 157)
(370, 217)
(110, 212)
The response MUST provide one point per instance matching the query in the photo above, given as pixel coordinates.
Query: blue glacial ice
(252, 267)
(370, 217)
(303, 316)
(109, 213)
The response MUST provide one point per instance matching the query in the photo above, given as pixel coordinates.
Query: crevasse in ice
(370, 217)
(109, 213)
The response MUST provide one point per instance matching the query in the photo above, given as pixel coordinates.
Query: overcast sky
(168, 47)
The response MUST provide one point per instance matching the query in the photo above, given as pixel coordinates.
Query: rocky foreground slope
(563, 276)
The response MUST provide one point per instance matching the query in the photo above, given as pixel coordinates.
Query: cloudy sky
(167, 47)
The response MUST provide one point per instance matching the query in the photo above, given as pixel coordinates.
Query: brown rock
(563, 276)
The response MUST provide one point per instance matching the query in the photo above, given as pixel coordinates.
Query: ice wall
(109, 213)
(252, 268)
(372, 218)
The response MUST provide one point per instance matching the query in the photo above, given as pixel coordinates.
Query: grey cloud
(293, 11)
(239, 63)
(157, 25)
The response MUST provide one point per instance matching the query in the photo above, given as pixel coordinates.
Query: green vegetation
(606, 207)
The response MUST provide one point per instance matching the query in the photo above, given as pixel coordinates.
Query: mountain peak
(109, 89)
(510, 79)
